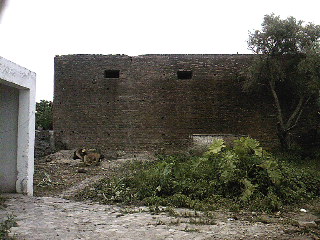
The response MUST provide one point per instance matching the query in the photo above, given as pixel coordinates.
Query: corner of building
(18, 134)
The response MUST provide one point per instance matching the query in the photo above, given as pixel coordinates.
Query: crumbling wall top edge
(92, 56)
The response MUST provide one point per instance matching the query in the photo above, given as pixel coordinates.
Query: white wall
(17, 125)
(9, 106)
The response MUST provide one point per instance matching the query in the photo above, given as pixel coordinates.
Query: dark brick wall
(148, 108)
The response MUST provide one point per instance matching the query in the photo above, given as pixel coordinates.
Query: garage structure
(17, 127)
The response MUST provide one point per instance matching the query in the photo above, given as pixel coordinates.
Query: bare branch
(299, 114)
(277, 102)
(295, 112)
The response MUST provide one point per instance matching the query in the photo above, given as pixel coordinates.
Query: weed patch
(5, 227)
(2, 202)
(242, 176)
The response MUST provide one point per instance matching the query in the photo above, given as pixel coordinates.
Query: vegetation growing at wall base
(5, 227)
(243, 176)
(7, 223)
(2, 200)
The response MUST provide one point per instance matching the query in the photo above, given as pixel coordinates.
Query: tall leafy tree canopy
(288, 66)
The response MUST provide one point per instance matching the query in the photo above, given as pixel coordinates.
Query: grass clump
(2, 202)
(7, 223)
(242, 176)
(5, 226)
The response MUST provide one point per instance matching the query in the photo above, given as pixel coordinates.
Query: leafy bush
(5, 227)
(44, 115)
(240, 176)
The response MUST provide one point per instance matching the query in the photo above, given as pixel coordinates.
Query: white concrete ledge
(205, 140)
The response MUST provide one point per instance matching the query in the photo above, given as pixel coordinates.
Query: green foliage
(44, 115)
(216, 147)
(246, 145)
(233, 177)
(2, 201)
(309, 69)
(6, 225)
(288, 68)
(283, 36)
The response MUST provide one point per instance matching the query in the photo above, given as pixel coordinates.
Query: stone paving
(56, 218)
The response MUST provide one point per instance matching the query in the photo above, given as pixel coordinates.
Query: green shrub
(240, 176)
(44, 117)
(6, 225)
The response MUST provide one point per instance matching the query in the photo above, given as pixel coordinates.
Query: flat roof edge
(14, 75)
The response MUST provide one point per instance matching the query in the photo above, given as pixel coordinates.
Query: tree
(288, 66)
(44, 115)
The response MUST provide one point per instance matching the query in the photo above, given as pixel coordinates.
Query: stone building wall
(44, 143)
(148, 108)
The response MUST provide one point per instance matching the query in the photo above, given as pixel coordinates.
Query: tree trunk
(284, 138)
(285, 127)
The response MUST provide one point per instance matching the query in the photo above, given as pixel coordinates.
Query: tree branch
(297, 112)
(277, 102)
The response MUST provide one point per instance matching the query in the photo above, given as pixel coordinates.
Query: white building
(17, 127)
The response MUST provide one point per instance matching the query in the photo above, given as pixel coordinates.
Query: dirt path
(70, 192)
(49, 215)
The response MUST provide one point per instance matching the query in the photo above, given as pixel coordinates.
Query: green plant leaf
(228, 166)
(271, 165)
(216, 147)
(247, 146)
(249, 189)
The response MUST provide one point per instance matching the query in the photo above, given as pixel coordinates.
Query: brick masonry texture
(148, 108)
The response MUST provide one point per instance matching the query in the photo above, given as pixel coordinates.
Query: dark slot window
(184, 74)
(112, 73)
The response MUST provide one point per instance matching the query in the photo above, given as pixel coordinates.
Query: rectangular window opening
(184, 74)
(112, 73)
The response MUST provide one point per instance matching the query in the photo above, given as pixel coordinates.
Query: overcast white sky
(32, 32)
